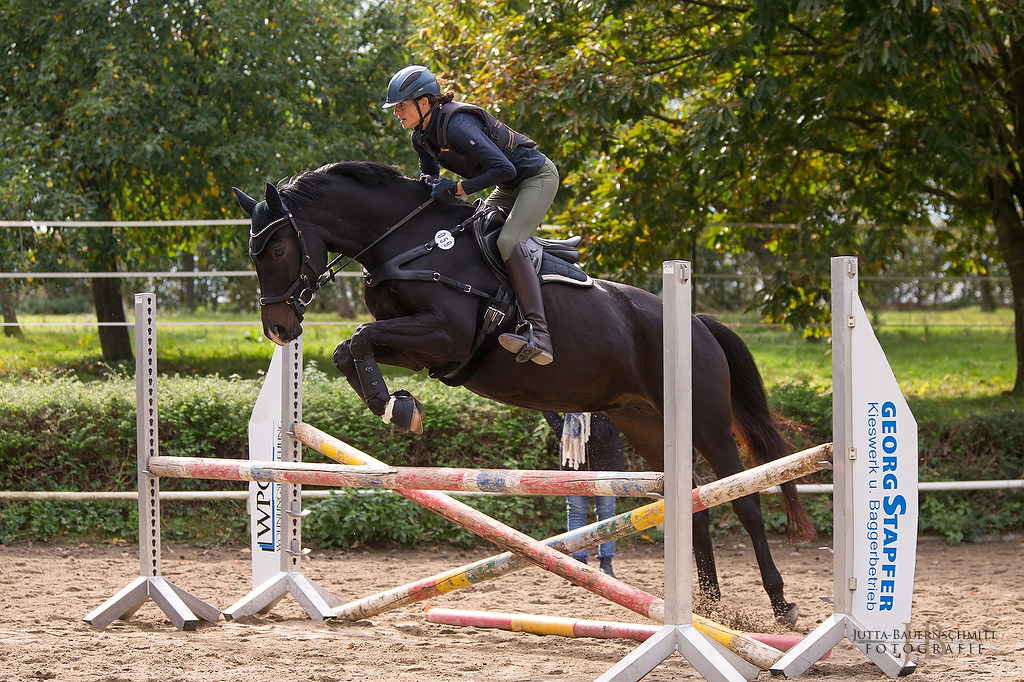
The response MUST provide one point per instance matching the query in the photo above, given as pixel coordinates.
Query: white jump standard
(182, 608)
(875, 496)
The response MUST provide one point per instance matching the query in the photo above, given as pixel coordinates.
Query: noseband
(300, 294)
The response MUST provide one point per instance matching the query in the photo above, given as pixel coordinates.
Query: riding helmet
(412, 82)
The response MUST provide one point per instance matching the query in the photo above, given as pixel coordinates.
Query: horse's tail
(752, 417)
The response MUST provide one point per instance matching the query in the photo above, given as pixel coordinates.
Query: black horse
(431, 292)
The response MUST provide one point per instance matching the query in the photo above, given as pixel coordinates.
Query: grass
(941, 355)
(223, 344)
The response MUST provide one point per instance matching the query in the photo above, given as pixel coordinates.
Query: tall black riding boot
(532, 341)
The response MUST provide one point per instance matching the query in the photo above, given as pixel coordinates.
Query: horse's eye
(278, 252)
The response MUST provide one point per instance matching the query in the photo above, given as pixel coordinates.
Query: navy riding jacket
(472, 154)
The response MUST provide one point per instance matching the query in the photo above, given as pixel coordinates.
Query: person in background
(469, 141)
(591, 442)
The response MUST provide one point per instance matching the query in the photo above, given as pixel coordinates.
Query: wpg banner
(265, 497)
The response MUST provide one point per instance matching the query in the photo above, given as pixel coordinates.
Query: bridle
(300, 294)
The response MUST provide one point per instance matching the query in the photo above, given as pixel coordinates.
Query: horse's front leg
(393, 340)
(364, 376)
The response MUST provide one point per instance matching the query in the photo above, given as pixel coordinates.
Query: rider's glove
(444, 188)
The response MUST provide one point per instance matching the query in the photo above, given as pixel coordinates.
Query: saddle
(556, 260)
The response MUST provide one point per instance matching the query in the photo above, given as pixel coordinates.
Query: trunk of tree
(115, 341)
(767, 261)
(345, 308)
(188, 285)
(1009, 226)
(10, 312)
(985, 298)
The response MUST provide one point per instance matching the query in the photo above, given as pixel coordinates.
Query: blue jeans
(577, 507)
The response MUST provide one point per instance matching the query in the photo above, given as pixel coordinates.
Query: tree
(669, 118)
(154, 110)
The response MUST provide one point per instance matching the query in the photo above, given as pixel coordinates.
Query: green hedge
(63, 434)
(58, 433)
(956, 443)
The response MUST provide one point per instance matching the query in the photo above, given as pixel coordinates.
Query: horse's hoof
(405, 412)
(790, 615)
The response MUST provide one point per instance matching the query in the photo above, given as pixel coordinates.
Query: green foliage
(683, 125)
(47, 520)
(128, 111)
(350, 517)
(60, 433)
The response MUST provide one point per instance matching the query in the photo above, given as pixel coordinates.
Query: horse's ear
(245, 201)
(273, 198)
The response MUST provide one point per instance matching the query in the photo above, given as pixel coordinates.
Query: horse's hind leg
(719, 449)
(748, 509)
(704, 557)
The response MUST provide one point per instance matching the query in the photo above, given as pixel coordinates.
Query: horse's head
(350, 208)
(288, 271)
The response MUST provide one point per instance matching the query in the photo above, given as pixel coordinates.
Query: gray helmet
(412, 82)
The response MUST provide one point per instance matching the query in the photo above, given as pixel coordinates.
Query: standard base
(315, 600)
(836, 628)
(182, 608)
(709, 658)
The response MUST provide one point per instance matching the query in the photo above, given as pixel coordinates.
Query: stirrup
(524, 346)
(521, 345)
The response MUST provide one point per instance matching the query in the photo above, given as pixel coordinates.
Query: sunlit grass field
(935, 354)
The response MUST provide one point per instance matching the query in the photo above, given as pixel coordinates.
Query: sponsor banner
(264, 497)
(884, 481)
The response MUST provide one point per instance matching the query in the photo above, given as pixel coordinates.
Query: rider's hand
(444, 188)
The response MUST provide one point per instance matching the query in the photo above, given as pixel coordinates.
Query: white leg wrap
(388, 410)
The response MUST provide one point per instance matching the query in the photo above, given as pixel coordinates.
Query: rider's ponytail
(447, 96)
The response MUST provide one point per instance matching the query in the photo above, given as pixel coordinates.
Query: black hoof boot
(405, 412)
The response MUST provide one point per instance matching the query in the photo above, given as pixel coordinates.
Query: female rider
(468, 141)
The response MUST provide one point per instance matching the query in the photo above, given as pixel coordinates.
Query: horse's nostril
(278, 332)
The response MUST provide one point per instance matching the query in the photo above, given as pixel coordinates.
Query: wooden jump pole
(743, 644)
(632, 598)
(494, 531)
(648, 516)
(599, 629)
(520, 482)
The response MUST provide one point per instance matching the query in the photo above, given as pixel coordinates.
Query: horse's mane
(309, 185)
